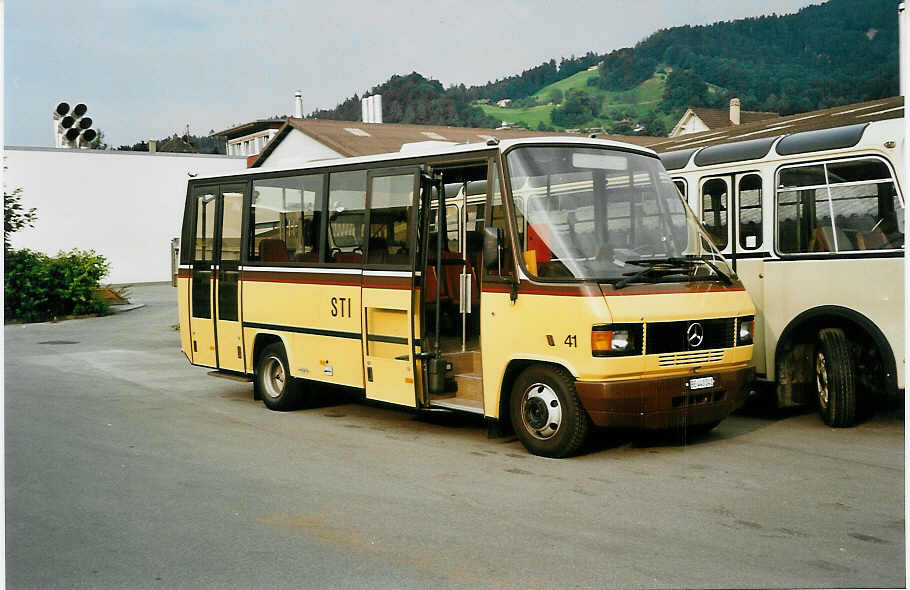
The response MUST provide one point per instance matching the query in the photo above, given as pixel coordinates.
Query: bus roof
(432, 149)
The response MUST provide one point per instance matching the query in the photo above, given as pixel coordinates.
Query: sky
(146, 69)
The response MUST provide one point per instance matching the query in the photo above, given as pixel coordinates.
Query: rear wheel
(835, 378)
(278, 389)
(546, 414)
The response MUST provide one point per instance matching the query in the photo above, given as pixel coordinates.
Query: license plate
(701, 382)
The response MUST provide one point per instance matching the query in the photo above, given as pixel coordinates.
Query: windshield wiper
(638, 276)
(724, 277)
(670, 260)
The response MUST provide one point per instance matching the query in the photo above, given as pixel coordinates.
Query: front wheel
(278, 389)
(835, 378)
(546, 414)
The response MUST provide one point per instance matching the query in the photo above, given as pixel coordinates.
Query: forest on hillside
(839, 52)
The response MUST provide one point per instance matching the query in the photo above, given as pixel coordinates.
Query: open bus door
(392, 373)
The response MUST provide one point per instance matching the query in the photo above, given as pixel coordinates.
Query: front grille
(674, 359)
(667, 337)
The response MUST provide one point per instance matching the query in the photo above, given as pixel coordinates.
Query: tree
(98, 143)
(15, 216)
(684, 88)
(556, 96)
(578, 108)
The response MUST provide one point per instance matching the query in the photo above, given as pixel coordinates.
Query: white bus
(813, 224)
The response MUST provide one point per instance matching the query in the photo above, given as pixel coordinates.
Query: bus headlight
(615, 340)
(745, 330)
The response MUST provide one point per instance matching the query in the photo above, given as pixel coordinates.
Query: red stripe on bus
(398, 283)
(673, 292)
(570, 291)
(378, 282)
(567, 292)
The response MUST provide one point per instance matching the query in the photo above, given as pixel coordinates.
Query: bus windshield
(607, 215)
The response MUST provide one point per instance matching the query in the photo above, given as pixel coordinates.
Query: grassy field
(637, 102)
(532, 116)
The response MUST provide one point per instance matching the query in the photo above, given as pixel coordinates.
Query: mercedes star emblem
(695, 334)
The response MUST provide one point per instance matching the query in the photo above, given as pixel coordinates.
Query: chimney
(153, 146)
(371, 109)
(734, 111)
(298, 104)
(377, 108)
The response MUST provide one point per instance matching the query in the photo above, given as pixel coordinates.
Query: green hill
(838, 52)
(636, 104)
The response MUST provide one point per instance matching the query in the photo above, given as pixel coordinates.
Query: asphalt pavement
(128, 468)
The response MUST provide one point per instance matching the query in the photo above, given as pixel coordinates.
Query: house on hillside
(504, 102)
(697, 119)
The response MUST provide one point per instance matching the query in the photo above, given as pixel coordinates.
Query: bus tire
(835, 378)
(546, 414)
(278, 389)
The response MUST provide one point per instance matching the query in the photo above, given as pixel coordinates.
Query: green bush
(38, 287)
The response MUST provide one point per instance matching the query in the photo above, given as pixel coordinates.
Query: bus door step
(471, 406)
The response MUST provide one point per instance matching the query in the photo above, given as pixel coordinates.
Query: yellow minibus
(550, 285)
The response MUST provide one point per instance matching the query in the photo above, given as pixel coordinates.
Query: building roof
(251, 127)
(353, 138)
(864, 112)
(718, 118)
(440, 148)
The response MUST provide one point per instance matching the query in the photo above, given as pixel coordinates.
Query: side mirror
(492, 242)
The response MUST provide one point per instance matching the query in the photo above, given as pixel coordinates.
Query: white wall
(298, 148)
(124, 205)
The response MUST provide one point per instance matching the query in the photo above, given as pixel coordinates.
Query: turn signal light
(602, 341)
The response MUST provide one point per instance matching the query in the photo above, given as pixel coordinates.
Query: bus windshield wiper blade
(670, 260)
(689, 262)
(638, 276)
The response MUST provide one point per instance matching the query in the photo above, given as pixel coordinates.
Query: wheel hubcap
(273, 377)
(821, 379)
(541, 411)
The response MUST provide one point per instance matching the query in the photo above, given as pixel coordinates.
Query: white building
(248, 139)
(697, 119)
(126, 206)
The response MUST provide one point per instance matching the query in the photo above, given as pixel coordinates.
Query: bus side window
(347, 207)
(390, 211)
(285, 218)
(838, 206)
(497, 218)
(750, 212)
(714, 210)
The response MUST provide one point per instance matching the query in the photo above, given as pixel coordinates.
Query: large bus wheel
(278, 389)
(546, 414)
(835, 378)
